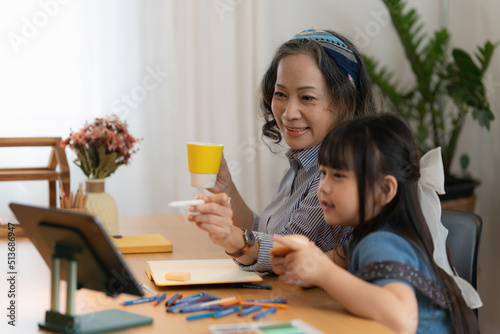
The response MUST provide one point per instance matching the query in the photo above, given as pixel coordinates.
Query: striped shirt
(295, 209)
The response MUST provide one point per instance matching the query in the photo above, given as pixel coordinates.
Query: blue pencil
(139, 301)
(264, 313)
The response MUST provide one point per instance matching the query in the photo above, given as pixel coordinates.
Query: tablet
(100, 264)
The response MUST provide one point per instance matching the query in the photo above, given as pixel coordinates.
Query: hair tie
(337, 49)
(430, 184)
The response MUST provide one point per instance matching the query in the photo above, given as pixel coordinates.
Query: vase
(102, 205)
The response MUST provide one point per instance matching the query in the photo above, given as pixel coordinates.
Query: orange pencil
(71, 199)
(230, 302)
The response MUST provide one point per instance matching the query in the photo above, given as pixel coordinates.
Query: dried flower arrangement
(101, 147)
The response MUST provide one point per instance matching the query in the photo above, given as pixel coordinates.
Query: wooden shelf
(56, 170)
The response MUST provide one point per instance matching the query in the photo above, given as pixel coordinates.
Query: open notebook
(211, 271)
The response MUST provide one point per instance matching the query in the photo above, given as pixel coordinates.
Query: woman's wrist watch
(249, 242)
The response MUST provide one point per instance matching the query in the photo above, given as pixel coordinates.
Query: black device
(91, 261)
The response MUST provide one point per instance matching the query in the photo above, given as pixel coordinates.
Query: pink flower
(108, 133)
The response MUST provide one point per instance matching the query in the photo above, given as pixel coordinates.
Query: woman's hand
(303, 266)
(215, 217)
(242, 216)
(224, 181)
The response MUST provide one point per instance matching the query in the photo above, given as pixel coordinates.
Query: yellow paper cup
(204, 162)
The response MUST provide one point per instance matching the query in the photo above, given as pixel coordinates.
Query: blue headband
(341, 54)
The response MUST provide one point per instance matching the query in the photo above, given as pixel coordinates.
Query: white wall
(472, 23)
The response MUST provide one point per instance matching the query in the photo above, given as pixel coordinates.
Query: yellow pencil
(76, 199)
(65, 199)
(80, 198)
(85, 200)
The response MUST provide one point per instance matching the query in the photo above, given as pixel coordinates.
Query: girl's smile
(326, 206)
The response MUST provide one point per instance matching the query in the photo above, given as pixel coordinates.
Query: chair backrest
(56, 170)
(464, 234)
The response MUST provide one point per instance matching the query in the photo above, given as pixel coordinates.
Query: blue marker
(195, 308)
(201, 316)
(172, 299)
(223, 313)
(209, 294)
(264, 313)
(179, 306)
(250, 310)
(189, 298)
(139, 301)
(213, 307)
(159, 299)
(251, 286)
(277, 301)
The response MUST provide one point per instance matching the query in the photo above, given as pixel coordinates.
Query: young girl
(371, 180)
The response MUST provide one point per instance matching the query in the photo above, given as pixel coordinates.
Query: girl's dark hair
(350, 101)
(374, 147)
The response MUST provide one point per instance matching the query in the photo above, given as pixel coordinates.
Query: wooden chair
(56, 170)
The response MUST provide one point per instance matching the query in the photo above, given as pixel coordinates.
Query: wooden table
(313, 306)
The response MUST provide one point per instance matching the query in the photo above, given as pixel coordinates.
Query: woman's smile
(294, 131)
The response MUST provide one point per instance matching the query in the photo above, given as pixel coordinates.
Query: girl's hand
(278, 263)
(279, 268)
(214, 216)
(224, 181)
(303, 266)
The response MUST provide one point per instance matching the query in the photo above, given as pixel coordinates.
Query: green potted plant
(448, 87)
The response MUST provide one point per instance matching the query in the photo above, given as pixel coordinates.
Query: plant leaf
(483, 116)
(485, 55)
(107, 163)
(464, 161)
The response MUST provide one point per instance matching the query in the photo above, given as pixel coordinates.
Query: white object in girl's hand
(180, 204)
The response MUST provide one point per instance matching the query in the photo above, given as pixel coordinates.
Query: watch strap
(243, 250)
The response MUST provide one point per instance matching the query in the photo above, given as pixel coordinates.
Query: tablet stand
(71, 250)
